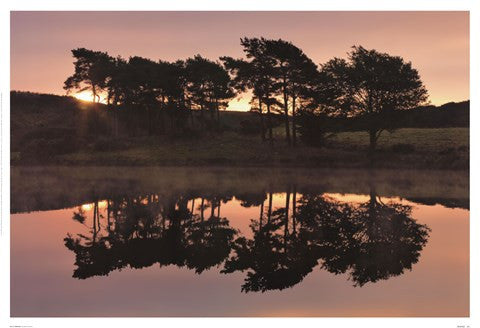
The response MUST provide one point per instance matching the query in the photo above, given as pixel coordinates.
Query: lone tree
(92, 70)
(373, 85)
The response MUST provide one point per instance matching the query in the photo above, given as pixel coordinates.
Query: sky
(437, 43)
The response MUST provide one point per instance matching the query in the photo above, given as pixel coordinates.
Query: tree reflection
(369, 241)
(274, 258)
(145, 230)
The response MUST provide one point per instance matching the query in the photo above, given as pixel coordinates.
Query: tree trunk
(94, 93)
(270, 133)
(261, 119)
(287, 207)
(294, 129)
(285, 109)
(294, 209)
(269, 215)
(218, 113)
(261, 215)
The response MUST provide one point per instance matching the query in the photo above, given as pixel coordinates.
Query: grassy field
(445, 148)
(423, 140)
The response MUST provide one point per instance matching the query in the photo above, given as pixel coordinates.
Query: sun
(88, 96)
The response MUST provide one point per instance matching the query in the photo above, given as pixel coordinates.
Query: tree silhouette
(373, 85)
(208, 85)
(255, 73)
(293, 72)
(92, 69)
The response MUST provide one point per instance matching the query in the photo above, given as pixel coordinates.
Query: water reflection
(141, 231)
(367, 241)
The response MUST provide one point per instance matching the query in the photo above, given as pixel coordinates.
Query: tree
(255, 74)
(274, 69)
(372, 84)
(92, 70)
(208, 85)
(294, 72)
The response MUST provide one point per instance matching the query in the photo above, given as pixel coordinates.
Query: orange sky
(437, 43)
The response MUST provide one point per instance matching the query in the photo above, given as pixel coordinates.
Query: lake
(116, 241)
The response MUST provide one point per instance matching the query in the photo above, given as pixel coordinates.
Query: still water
(235, 244)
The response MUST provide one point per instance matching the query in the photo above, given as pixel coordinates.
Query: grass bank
(409, 148)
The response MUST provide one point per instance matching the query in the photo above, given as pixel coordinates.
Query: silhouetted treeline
(282, 79)
(163, 95)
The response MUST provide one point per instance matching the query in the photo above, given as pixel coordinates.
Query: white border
(257, 5)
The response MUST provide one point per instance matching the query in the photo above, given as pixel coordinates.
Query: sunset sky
(437, 43)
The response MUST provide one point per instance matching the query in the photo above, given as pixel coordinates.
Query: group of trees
(370, 241)
(159, 89)
(281, 78)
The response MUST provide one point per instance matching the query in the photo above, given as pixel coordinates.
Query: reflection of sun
(103, 204)
(87, 207)
(88, 96)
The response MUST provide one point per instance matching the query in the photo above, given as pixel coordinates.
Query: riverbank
(409, 148)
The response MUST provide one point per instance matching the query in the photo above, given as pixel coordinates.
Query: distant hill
(35, 117)
(46, 124)
(452, 114)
